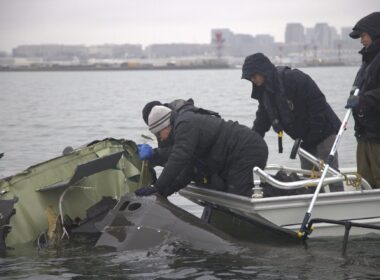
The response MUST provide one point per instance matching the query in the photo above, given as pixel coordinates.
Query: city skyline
(97, 22)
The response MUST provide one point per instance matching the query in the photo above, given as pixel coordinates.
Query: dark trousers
(321, 151)
(368, 161)
(239, 176)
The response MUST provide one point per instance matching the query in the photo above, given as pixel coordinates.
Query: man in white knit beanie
(227, 150)
(159, 119)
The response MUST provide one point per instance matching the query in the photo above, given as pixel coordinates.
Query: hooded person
(369, 24)
(290, 101)
(225, 148)
(366, 106)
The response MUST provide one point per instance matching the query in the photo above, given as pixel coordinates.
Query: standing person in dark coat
(226, 148)
(290, 101)
(366, 106)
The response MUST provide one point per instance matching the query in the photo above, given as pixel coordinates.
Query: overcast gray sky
(163, 21)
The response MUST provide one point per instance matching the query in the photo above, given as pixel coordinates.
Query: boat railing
(335, 176)
(266, 177)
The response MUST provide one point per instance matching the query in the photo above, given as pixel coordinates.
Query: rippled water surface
(43, 112)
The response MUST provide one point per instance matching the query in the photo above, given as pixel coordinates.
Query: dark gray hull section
(141, 223)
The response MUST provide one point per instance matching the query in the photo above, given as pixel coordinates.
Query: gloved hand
(277, 126)
(145, 151)
(145, 191)
(352, 102)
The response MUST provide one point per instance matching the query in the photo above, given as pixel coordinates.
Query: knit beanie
(369, 24)
(159, 118)
(147, 108)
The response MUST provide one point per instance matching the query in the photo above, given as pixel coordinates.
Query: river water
(43, 112)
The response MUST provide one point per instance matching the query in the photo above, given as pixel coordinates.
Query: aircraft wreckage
(90, 191)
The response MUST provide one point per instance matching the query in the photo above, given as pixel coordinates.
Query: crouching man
(226, 148)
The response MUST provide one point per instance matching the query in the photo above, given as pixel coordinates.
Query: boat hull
(286, 213)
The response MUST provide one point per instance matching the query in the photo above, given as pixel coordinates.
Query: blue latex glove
(352, 102)
(145, 191)
(145, 151)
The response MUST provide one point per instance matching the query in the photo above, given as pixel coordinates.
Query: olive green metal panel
(31, 217)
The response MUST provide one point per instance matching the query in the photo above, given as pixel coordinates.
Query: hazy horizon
(97, 22)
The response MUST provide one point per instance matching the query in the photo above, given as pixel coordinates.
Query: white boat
(356, 208)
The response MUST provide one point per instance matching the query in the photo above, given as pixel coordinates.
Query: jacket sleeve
(180, 159)
(372, 97)
(160, 156)
(262, 123)
(315, 102)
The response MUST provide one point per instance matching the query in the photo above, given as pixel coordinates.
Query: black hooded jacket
(369, 24)
(367, 114)
(209, 139)
(291, 98)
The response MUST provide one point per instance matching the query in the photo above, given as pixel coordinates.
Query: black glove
(145, 191)
(277, 126)
(352, 102)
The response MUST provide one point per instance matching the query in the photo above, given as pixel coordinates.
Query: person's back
(225, 147)
(311, 117)
(214, 138)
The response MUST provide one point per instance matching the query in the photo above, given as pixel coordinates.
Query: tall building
(309, 35)
(294, 33)
(265, 43)
(222, 40)
(244, 45)
(322, 35)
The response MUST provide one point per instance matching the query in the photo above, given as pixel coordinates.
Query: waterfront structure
(320, 44)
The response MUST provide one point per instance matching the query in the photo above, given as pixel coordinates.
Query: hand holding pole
(302, 233)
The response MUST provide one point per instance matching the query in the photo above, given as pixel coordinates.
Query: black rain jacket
(209, 139)
(294, 99)
(367, 114)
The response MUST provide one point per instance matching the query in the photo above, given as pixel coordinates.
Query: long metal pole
(302, 232)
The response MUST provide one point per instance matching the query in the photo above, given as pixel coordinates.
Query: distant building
(226, 43)
(294, 33)
(265, 43)
(244, 45)
(111, 51)
(324, 35)
(177, 50)
(222, 42)
(50, 51)
(309, 35)
(302, 45)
